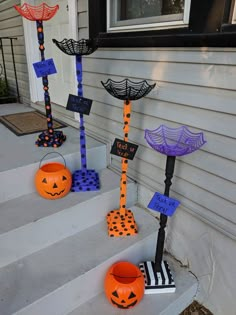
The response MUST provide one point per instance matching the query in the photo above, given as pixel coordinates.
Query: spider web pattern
(42, 12)
(73, 48)
(174, 141)
(127, 89)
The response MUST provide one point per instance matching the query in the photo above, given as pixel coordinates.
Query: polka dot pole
(124, 162)
(43, 12)
(121, 222)
(82, 129)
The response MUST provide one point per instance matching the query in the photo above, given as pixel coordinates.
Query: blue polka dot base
(85, 180)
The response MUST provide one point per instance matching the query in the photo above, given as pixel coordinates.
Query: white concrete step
(20, 159)
(151, 304)
(65, 275)
(30, 223)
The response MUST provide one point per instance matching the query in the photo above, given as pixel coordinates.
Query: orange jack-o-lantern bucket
(53, 180)
(124, 285)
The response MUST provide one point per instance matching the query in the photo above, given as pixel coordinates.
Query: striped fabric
(160, 282)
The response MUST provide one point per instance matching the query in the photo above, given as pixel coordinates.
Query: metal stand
(83, 179)
(121, 222)
(171, 142)
(40, 13)
(50, 137)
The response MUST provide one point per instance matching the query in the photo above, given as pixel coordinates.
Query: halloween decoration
(172, 142)
(121, 222)
(43, 12)
(83, 179)
(124, 285)
(53, 179)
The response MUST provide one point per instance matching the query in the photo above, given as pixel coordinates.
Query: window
(163, 23)
(134, 15)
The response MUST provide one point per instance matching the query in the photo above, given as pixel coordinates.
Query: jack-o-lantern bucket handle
(128, 277)
(52, 153)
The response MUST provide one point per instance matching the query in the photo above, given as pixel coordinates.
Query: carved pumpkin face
(124, 285)
(53, 180)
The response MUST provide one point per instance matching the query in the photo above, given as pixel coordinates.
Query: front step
(36, 222)
(59, 278)
(151, 304)
(20, 159)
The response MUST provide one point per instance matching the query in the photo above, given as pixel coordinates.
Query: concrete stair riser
(37, 235)
(82, 289)
(20, 181)
(151, 304)
(73, 268)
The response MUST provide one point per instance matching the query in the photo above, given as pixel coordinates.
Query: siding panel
(219, 100)
(11, 25)
(194, 89)
(83, 19)
(218, 76)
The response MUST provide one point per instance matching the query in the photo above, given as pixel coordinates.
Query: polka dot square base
(85, 181)
(46, 139)
(157, 282)
(121, 225)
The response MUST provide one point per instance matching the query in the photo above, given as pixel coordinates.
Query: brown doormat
(196, 309)
(29, 122)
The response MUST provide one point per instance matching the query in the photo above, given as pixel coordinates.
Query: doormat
(27, 123)
(196, 309)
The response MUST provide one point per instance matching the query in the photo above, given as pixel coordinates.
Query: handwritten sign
(124, 149)
(44, 68)
(163, 204)
(79, 104)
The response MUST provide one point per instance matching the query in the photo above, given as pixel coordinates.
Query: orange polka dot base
(121, 225)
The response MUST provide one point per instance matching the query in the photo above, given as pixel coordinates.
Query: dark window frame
(208, 27)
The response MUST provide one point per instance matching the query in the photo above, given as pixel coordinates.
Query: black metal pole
(4, 65)
(14, 66)
(169, 171)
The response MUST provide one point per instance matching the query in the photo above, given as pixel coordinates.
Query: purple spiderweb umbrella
(174, 141)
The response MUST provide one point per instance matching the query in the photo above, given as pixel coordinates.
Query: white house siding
(197, 88)
(83, 18)
(11, 25)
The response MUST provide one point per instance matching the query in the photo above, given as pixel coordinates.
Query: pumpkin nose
(123, 301)
(55, 185)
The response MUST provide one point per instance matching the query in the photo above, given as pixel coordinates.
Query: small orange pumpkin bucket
(53, 180)
(124, 285)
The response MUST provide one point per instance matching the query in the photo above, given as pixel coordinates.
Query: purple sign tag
(44, 68)
(163, 204)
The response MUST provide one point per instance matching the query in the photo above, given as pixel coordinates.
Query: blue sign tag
(163, 204)
(44, 68)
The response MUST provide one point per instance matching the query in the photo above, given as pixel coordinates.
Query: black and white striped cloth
(157, 282)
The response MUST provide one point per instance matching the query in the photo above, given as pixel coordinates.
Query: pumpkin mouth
(59, 193)
(122, 306)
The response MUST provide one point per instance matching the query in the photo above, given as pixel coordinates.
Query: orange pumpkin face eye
(64, 178)
(132, 295)
(44, 181)
(115, 294)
